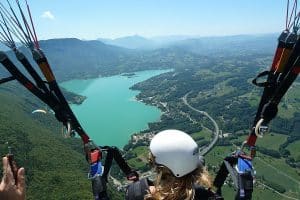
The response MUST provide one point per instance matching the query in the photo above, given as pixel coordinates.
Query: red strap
(296, 70)
(276, 59)
(95, 156)
(29, 86)
(85, 138)
(251, 140)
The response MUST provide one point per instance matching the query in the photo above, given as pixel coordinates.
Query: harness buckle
(261, 129)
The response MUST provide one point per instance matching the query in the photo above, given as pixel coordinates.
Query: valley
(217, 81)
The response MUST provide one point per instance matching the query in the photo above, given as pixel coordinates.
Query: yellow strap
(283, 60)
(47, 71)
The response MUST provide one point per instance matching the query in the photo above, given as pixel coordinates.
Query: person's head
(175, 156)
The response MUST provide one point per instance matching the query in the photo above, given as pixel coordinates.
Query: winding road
(213, 142)
(204, 151)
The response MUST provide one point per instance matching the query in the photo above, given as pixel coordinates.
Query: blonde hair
(169, 187)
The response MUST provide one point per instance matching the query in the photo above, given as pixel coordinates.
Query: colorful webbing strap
(240, 168)
(285, 73)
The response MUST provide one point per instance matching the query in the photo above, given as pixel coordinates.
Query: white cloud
(48, 15)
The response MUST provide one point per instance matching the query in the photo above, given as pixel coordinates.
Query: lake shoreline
(141, 113)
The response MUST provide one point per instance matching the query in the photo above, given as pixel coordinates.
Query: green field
(141, 160)
(268, 169)
(271, 141)
(260, 193)
(290, 103)
(294, 149)
(203, 133)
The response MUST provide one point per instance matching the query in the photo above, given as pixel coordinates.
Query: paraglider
(39, 111)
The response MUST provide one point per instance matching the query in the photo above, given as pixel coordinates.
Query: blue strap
(244, 165)
(96, 169)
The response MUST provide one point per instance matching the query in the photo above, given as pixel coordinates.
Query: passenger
(180, 171)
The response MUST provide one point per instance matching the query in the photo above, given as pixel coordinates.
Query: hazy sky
(91, 19)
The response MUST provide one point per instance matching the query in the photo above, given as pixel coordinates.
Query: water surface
(110, 114)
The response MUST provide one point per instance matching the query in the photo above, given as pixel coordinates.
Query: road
(204, 151)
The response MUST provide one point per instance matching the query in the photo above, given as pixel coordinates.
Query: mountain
(237, 44)
(196, 44)
(73, 57)
(139, 42)
(131, 42)
(170, 39)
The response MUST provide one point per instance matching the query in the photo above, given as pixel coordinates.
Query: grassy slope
(294, 148)
(54, 169)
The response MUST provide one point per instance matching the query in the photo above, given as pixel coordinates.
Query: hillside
(73, 58)
(55, 166)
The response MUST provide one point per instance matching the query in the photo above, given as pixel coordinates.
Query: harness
(282, 73)
(99, 172)
(49, 92)
(137, 191)
(242, 174)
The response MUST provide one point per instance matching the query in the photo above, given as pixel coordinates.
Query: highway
(204, 151)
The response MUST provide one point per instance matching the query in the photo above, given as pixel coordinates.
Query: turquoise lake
(110, 114)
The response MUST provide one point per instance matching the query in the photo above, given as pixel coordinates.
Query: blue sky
(91, 19)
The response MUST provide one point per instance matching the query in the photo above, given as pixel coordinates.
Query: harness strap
(114, 153)
(280, 46)
(5, 80)
(16, 73)
(99, 176)
(223, 173)
(137, 190)
(39, 82)
(241, 176)
(57, 103)
(202, 193)
(273, 93)
(99, 188)
(263, 84)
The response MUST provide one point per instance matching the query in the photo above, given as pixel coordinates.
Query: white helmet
(176, 150)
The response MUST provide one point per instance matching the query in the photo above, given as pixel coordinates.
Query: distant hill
(230, 44)
(131, 42)
(139, 42)
(196, 44)
(73, 58)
